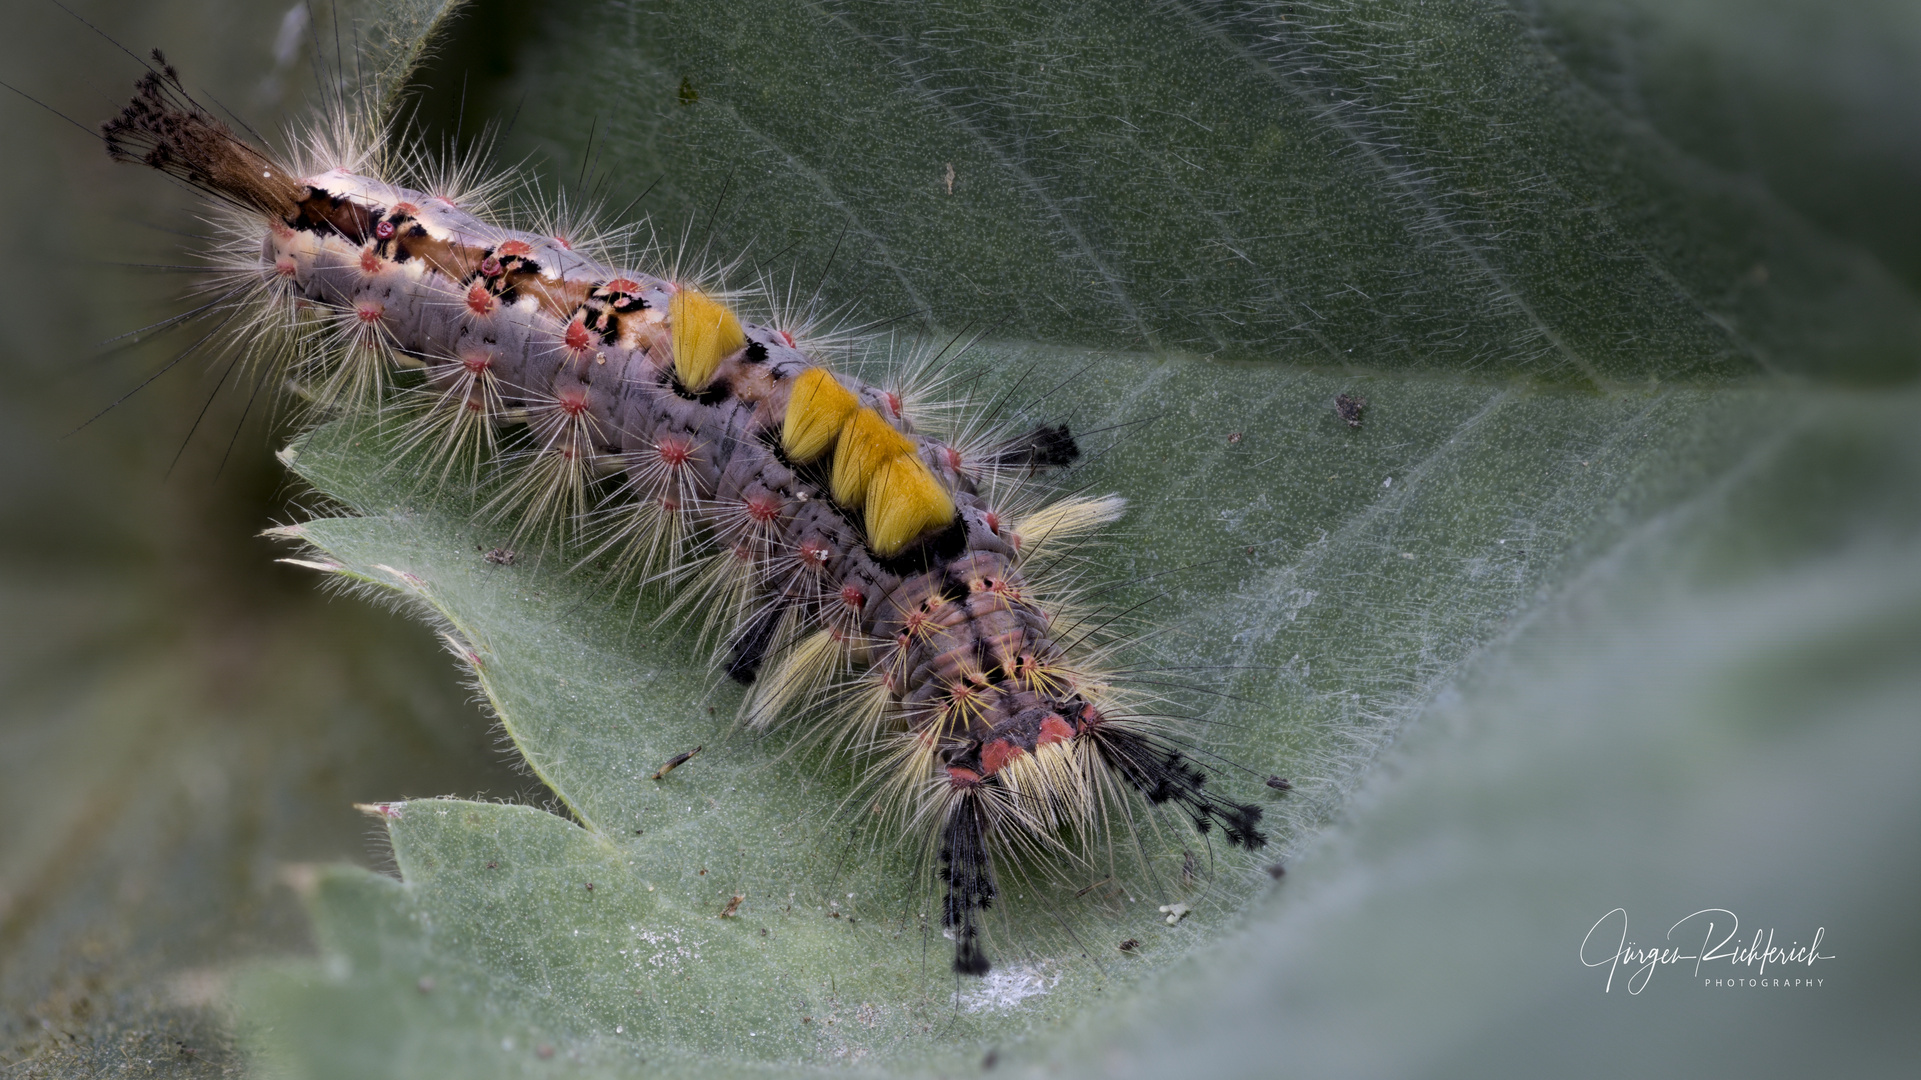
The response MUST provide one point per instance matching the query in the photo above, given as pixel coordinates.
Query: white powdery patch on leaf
(1005, 988)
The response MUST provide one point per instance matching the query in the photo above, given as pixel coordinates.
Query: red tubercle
(477, 361)
(481, 302)
(562, 241)
(892, 401)
(669, 504)
(993, 522)
(1054, 729)
(384, 230)
(513, 249)
(814, 552)
(953, 459)
(405, 208)
(674, 452)
(960, 778)
(285, 266)
(577, 338)
(998, 754)
(281, 231)
(1090, 716)
(572, 401)
(370, 260)
(763, 507)
(370, 311)
(853, 597)
(622, 285)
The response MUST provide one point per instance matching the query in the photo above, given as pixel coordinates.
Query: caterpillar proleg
(897, 588)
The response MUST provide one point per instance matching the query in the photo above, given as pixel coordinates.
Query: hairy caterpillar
(852, 569)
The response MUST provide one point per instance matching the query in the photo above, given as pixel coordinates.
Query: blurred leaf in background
(183, 718)
(1622, 562)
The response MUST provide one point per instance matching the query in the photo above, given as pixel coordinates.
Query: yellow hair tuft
(866, 443)
(1046, 531)
(904, 500)
(816, 409)
(705, 333)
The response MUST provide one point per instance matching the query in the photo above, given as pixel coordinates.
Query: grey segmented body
(990, 724)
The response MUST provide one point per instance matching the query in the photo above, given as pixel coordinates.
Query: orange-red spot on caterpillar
(674, 452)
(285, 266)
(993, 522)
(962, 778)
(814, 552)
(1054, 729)
(516, 249)
(893, 403)
(571, 401)
(564, 245)
(670, 504)
(763, 507)
(577, 337)
(953, 459)
(853, 597)
(996, 755)
(370, 311)
(281, 230)
(480, 301)
(406, 208)
(476, 361)
(369, 260)
(621, 284)
(788, 338)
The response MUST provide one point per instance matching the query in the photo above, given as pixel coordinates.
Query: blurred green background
(1716, 706)
(183, 717)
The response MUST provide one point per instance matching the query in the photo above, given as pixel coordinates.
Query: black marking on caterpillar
(798, 510)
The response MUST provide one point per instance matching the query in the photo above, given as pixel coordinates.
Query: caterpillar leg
(969, 877)
(752, 643)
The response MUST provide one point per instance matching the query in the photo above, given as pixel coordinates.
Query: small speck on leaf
(1348, 407)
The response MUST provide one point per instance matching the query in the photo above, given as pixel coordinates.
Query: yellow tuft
(705, 333)
(866, 443)
(1046, 530)
(904, 501)
(816, 409)
(802, 672)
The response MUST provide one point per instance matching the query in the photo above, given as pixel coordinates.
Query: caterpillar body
(850, 567)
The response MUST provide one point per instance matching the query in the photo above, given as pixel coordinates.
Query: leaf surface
(1189, 230)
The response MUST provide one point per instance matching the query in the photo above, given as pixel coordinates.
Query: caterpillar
(898, 588)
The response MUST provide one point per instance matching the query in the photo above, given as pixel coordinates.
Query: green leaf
(1562, 322)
